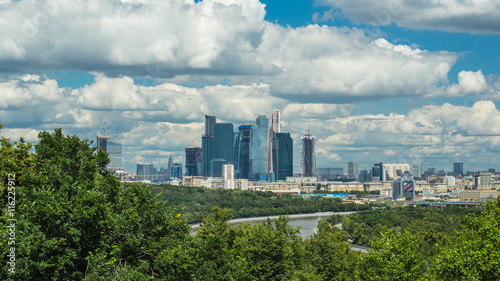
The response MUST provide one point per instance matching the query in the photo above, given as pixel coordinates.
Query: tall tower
(207, 145)
(224, 135)
(308, 159)
(259, 149)
(275, 128)
(282, 152)
(242, 167)
(350, 170)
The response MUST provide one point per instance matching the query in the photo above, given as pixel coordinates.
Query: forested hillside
(420, 221)
(72, 220)
(196, 203)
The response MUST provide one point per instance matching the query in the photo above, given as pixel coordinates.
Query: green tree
(330, 255)
(476, 254)
(394, 257)
(271, 250)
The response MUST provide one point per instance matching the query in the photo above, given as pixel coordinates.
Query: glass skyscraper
(458, 168)
(242, 152)
(259, 149)
(224, 141)
(207, 145)
(282, 155)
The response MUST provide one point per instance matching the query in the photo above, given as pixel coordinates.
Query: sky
(373, 81)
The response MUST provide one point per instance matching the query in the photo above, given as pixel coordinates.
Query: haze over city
(372, 81)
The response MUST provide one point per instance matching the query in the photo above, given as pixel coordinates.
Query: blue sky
(372, 80)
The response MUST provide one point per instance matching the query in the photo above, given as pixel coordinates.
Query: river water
(307, 222)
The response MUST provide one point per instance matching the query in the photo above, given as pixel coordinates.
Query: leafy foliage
(197, 202)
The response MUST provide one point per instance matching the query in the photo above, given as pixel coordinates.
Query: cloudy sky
(382, 80)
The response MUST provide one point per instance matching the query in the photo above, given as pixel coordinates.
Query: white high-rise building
(228, 176)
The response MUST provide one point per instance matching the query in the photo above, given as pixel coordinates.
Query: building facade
(223, 138)
(458, 168)
(242, 152)
(308, 160)
(282, 153)
(259, 149)
(114, 149)
(193, 161)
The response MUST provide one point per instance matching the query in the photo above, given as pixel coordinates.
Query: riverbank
(196, 226)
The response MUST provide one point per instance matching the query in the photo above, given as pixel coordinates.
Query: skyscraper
(282, 153)
(458, 168)
(350, 170)
(193, 161)
(113, 148)
(207, 145)
(223, 138)
(242, 152)
(259, 149)
(308, 161)
(275, 128)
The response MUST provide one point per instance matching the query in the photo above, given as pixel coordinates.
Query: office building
(458, 168)
(378, 172)
(223, 138)
(176, 171)
(308, 159)
(242, 152)
(350, 170)
(282, 155)
(207, 145)
(259, 149)
(114, 149)
(193, 161)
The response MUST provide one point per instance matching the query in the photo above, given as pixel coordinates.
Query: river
(307, 222)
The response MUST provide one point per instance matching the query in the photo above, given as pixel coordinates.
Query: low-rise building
(345, 186)
(192, 180)
(302, 180)
(477, 194)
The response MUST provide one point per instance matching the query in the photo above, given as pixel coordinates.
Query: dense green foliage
(75, 221)
(422, 222)
(196, 203)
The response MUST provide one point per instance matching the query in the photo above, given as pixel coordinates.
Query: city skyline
(373, 81)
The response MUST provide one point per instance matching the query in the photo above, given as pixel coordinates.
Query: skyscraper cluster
(258, 152)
